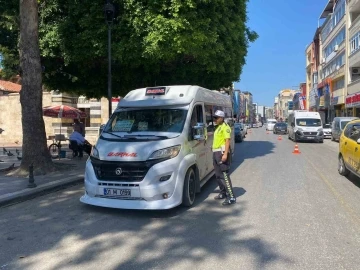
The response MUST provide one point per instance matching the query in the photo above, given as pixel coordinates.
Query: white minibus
(155, 152)
(305, 126)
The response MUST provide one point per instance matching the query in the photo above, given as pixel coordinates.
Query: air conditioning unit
(336, 48)
(323, 61)
(337, 67)
(355, 71)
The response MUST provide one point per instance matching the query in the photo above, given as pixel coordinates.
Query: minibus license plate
(117, 192)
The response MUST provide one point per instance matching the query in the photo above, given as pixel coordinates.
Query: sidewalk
(14, 189)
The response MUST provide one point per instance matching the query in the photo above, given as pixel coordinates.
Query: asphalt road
(292, 212)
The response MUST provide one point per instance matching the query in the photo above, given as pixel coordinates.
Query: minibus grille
(131, 171)
(310, 133)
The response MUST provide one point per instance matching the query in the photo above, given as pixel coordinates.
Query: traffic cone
(296, 150)
(279, 138)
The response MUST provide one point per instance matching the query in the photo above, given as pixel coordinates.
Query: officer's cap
(219, 113)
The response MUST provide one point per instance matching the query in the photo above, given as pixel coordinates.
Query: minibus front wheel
(189, 190)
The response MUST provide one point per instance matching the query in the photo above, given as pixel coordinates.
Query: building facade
(276, 108)
(312, 92)
(327, 63)
(284, 103)
(331, 88)
(352, 100)
(10, 113)
(269, 112)
(248, 106)
(299, 100)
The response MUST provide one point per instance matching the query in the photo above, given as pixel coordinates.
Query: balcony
(309, 65)
(354, 59)
(334, 30)
(353, 87)
(355, 27)
(338, 97)
(354, 6)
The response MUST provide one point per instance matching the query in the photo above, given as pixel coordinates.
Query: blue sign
(291, 105)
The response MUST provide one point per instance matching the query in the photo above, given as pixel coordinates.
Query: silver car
(338, 125)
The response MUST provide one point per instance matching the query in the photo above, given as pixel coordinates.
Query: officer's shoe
(220, 196)
(229, 201)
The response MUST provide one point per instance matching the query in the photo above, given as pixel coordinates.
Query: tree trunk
(34, 137)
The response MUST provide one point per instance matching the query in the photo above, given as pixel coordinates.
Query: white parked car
(327, 131)
(270, 123)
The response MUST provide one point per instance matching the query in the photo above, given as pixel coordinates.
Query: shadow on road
(250, 150)
(57, 231)
(354, 179)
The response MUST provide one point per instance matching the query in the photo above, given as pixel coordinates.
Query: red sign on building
(352, 100)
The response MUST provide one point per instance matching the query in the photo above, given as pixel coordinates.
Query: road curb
(30, 193)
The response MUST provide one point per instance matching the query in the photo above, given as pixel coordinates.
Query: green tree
(9, 36)
(155, 42)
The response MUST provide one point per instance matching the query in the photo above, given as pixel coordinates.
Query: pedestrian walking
(221, 152)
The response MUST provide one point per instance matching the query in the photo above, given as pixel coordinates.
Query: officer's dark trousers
(222, 175)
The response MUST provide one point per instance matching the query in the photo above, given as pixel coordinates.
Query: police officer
(221, 152)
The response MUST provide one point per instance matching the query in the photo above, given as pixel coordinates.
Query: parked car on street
(349, 143)
(327, 131)
(338, 125)
(280, 128)
(270, 123)
(239, 132)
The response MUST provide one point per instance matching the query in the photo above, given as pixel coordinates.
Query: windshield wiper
(134, 136)
(111, 133)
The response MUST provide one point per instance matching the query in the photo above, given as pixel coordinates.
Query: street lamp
(109, 17)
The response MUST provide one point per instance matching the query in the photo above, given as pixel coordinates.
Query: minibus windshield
(147, 120)
(308, 122)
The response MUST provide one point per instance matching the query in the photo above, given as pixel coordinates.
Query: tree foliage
(154, 42)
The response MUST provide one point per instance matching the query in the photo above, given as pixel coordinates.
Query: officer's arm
(227, 147)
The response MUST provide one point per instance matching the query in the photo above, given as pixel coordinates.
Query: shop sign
(334, 100)
(302, 101)
(322, 101)
(352, 100)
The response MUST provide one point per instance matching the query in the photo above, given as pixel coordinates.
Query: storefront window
(357, 112)
(349, 112)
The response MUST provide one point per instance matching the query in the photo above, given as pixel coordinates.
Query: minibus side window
(196, 117)
(209, 118)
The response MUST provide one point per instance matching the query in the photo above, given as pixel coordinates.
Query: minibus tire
(189, 184)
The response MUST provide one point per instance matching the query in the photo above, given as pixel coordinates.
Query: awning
(327, 10)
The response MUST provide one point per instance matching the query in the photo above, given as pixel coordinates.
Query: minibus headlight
(95, 153)
(170, 152)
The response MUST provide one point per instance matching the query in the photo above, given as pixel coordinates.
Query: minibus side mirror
(199, 132)
(101, 128)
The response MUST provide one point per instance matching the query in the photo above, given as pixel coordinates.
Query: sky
(277, 58)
